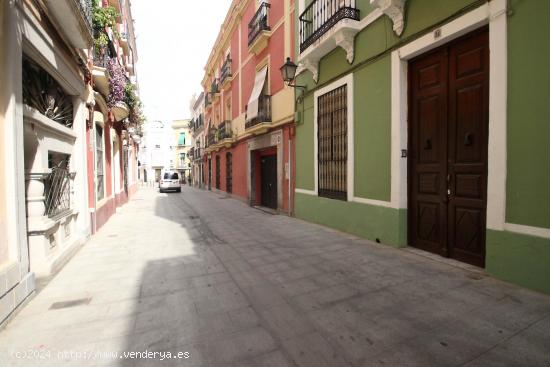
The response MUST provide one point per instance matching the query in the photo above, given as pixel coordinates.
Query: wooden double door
(448, 141)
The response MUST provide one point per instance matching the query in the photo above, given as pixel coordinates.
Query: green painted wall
(528, 184)
(372, 87)
(366, 221)
(304, 147)
(521, 259)
(517, 258)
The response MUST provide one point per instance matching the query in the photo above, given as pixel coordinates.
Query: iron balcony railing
(226, 70)
(214, 88)
(264, 112)
(258, 23)
(197, 153)
(225, 130)
(58, 191)
(211, 138)
(86, 8)
(320, 16)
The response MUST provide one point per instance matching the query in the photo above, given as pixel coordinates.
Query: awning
(252, 109)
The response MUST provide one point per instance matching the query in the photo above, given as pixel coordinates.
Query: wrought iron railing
(226, 70)
(86, 8)
(258, 23)
(320, 16)
(264, 112)
(197, 153)
(58, 190)
(214, 88)
(101, 58)
(211, 138)
(224, 130)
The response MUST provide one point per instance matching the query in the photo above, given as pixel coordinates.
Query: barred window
(332, 138)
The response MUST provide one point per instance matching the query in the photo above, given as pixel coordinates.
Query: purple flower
(117, 82)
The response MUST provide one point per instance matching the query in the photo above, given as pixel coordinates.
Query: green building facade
(358, 178)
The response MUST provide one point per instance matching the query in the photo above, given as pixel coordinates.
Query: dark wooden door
(269, 181)
(448, 137)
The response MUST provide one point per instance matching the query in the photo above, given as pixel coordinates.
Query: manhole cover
(67, 304)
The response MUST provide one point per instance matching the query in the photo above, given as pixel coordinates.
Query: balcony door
(448, 143)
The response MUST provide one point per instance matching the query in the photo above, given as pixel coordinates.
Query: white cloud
(174, 40)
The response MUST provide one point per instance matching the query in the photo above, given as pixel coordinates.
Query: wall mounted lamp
(288, 72)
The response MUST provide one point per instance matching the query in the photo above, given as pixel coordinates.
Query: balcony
(225, 134)
(99, 71)
(211, 139)
(259, 30)
(215, 91)
(321, 16)
(325, 25)
(226, 75)
(123, 40)
(207, 101)
(262, 122)
(75, 20)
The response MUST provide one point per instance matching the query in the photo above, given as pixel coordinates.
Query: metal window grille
(332, 138)
(58, 190)
(229, 172)
(218, 172)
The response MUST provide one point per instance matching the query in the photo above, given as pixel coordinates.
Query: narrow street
(231, 285)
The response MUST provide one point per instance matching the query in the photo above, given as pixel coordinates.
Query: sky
(174, 39)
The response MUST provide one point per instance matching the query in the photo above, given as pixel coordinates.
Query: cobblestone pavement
(234, 286)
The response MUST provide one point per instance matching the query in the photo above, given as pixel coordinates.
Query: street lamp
(288, 72)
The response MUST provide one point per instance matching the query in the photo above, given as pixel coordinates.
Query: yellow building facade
(181, 144)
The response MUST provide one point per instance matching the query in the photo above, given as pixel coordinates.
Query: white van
(170, 181)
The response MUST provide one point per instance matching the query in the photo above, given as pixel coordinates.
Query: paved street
(233, 286)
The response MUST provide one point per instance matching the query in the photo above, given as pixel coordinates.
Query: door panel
(269, 181)
(468, 142)
(428, 108)
(448, 137)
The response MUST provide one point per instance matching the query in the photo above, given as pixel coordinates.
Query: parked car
(170, 181)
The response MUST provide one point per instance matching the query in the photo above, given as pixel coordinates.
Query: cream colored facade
(51, 38)
(181, 144)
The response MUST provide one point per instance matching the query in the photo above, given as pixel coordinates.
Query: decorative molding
(395, 10)
(345, 39)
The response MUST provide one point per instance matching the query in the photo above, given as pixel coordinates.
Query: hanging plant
(117, 83)
(102, 18)
(134, 103)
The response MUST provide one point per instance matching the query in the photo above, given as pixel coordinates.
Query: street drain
(67, 304)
